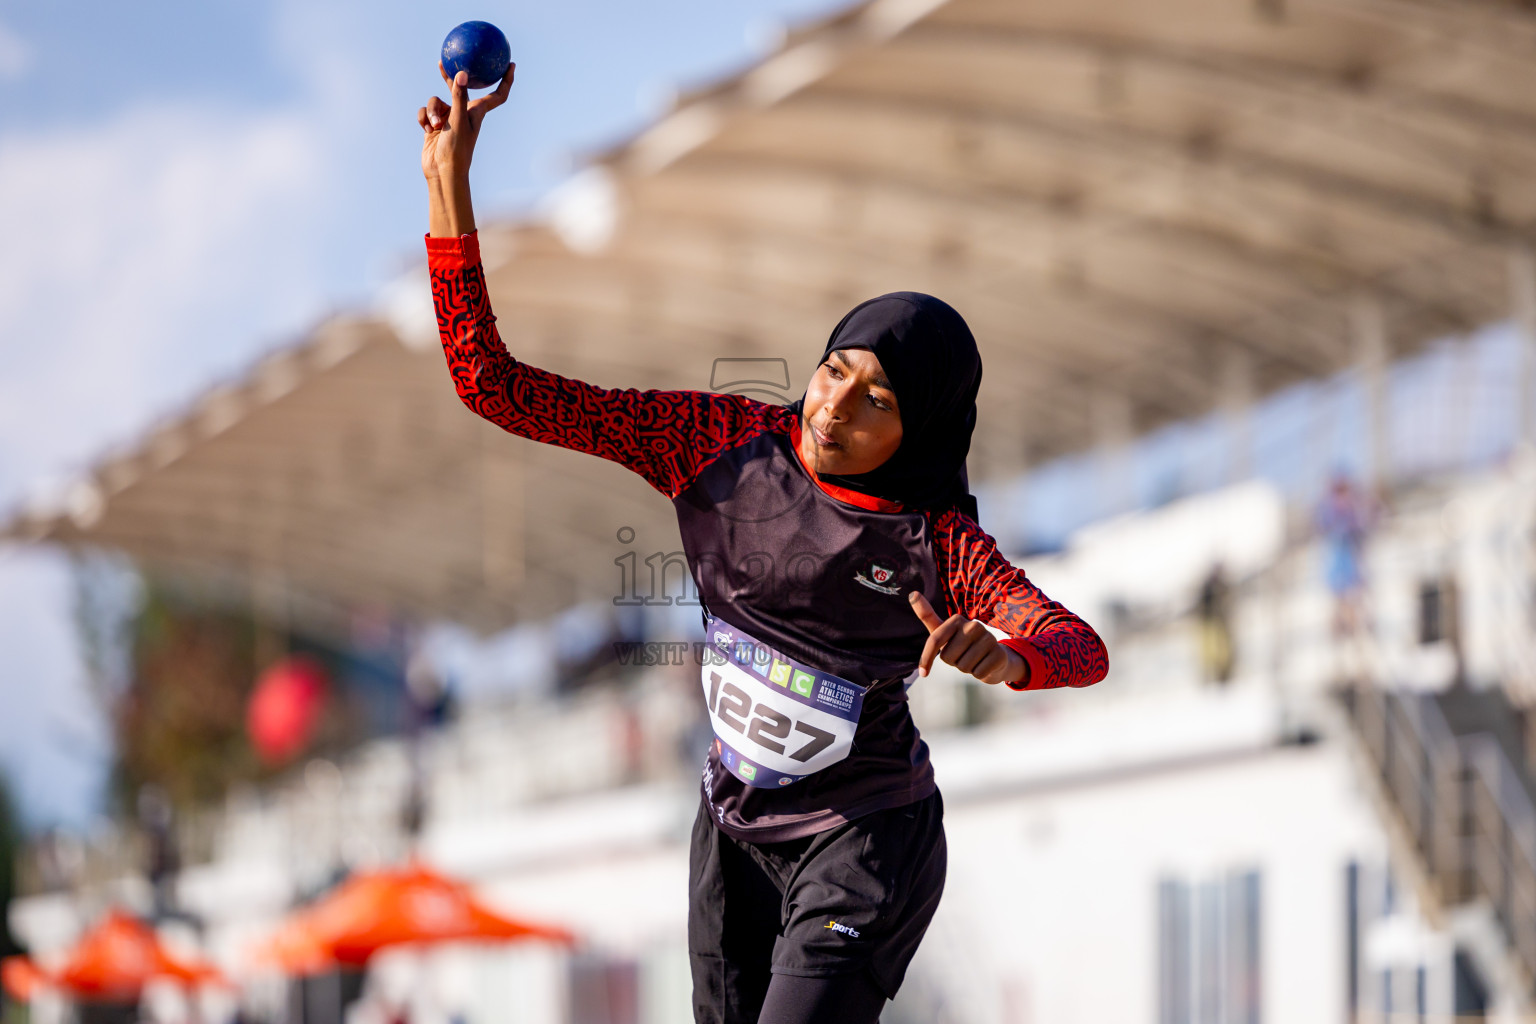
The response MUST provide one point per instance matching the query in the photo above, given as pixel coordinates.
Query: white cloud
(15, 54)
(146, 255)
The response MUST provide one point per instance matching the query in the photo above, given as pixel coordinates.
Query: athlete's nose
(838, 399)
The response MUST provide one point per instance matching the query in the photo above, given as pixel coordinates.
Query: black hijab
(928, 353)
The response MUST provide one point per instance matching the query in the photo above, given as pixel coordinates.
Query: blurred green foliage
(180, 721)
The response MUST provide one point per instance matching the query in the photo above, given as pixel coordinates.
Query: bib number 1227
(763, 725)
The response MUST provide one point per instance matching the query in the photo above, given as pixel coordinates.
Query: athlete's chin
(837, 459)
(835, 462)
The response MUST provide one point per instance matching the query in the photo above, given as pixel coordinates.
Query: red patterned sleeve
(665, 436)
(1061, 649)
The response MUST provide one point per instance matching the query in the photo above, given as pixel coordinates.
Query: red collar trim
(868, 501)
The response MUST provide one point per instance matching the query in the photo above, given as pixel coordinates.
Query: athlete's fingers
(458, 92)
(978, 647)
(492, 100)
(988, 671)
(478, 108)
(969, 647)
(958, 642)
(437, 112)
(940, 636)
(421, 119)
(955, 650)
(993, 667)
(924, 610)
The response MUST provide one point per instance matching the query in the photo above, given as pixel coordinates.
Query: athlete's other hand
(966, 644)
(452, 128)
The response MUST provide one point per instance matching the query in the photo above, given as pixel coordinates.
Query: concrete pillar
(1235, 400)
(1368, 327)
(1522, 293)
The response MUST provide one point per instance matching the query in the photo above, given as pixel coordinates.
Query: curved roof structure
(1138, 207)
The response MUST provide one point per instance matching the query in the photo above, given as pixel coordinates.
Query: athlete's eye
(833, 370)
(877, 402)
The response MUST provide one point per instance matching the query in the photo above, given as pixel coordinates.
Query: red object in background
(285, 708)
(113, 962)
(383, 908)
(20, 978)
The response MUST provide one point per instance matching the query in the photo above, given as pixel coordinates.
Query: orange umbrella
(295, 949)
(112, 961)
(20, 978)
(390, 907)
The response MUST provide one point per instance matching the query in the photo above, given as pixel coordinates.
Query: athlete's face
(852, 424)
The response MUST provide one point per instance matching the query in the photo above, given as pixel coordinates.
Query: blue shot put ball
(479, 48)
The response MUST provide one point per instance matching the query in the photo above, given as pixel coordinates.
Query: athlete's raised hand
(447, 146)
(966, 644)
(452, 128)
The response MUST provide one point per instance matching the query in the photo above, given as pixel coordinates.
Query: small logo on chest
(878, 577)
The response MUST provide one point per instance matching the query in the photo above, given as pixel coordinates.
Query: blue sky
(185, 185)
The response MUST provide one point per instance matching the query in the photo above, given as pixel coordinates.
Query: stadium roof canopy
(1140, 207)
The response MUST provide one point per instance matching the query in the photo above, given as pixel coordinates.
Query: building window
(1208, 949)
(1437, 611)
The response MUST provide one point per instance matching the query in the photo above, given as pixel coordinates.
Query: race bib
(777, 720)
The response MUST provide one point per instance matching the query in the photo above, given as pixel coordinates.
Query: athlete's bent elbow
(1097, 662)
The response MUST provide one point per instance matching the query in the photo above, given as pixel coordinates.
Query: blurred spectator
(1344, 520)
(1218, 653)
(429, 704)
(429, 697)
(157, 821)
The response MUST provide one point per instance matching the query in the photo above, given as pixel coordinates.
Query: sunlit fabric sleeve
(1061, 649)
(665, 436)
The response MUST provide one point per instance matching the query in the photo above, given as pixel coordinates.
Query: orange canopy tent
(20, 978)
(390, 907)
(113, 961)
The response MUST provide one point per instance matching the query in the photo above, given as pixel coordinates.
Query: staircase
(1451, 770)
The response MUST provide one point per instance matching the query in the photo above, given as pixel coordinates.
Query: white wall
(1050, 912)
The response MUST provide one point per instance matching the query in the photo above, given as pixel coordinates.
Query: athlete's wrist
(1023, 677)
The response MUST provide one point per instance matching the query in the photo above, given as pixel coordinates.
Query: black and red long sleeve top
(778, 553)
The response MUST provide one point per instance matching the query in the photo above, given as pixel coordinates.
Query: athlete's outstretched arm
(1059, 648)
(665, 436)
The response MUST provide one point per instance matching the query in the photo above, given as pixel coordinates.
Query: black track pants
(839, 999)
(845, 908)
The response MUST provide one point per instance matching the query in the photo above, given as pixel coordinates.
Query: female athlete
(822, 537)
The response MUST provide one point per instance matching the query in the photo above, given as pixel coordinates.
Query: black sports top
(778, 553)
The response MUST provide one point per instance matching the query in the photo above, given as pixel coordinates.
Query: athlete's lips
(825, 440)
